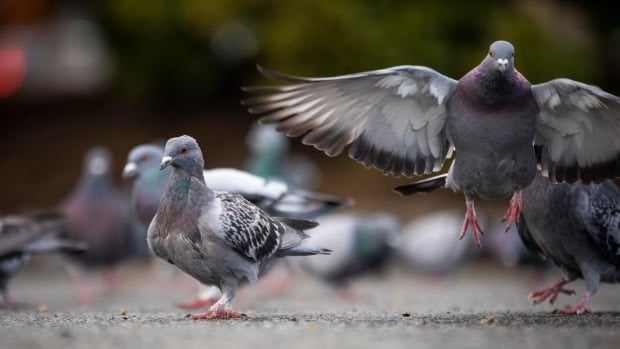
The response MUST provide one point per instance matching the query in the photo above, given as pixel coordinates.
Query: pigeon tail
(423, 186)
(52, 243)
(303, 249)
(293, 243)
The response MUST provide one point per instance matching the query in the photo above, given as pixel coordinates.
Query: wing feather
(393, 118)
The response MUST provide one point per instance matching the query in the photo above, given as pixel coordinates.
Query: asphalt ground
(480, 305)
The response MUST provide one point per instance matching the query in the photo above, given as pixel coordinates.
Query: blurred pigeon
(100, 215)
(270, 158)
(218, 238)
(427, 243)
(273, 196)
(578, 227)
(361, 243)
(24, 235)
(405, 120)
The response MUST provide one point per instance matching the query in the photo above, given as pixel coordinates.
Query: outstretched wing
(577, 131)
(247, 228)
(394, 118)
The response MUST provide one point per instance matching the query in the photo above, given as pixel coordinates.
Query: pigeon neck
(96, 183)
(180, 184)
(493, 87)
(154, 179)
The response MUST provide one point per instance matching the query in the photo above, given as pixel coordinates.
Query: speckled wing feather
(601, 216)
(394, 118)
(577, 127)
(247, 228)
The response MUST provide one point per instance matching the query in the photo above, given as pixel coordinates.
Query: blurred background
(74, 74)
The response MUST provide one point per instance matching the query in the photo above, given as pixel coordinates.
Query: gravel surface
(483, 305)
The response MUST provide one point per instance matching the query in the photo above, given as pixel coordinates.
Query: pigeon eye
(184, 150)
(491, 53)
(144, 158)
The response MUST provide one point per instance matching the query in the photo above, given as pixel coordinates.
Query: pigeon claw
(217, 312)
(581, 307)
(197, 303)
(471, 220)
(514, 211)
(550, 293)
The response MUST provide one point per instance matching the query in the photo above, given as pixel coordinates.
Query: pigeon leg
(84, 290)
(9, 301)
(197, 303)
(553, 291)
(207, 296)
(580, 308)
(471, 220)
(592, 278)
(222, 309)
(514, 211)
(113, 278)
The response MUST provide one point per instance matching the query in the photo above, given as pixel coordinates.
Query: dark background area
(74, 74)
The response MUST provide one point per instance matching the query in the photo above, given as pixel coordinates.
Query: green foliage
(165, 48)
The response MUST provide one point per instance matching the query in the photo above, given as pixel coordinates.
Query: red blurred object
(12, 69)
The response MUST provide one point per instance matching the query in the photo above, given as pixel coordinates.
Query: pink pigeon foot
(580, 308)
(346, 294)
(85, 293)
(112, 278)
(9, 302)
(217, 312)
(514, 210)
(197, 303)
(553, 291)
(471, 220)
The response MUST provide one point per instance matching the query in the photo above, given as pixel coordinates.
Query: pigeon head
(97, 162)
(501, 56)
(142, 158)
(183, 152)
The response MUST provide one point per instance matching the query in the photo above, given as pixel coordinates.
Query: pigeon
(425, 245)
(270, 158)
(361, 243)
(217, 237)
(578, 228)
(407, 120)
(99, 214)
(272, 195)
(21, 236)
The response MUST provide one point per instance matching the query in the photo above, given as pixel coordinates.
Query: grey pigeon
(99, 214)
(361, 243)
(405, 121)
(219, 238)
(21, 236)
(578, 227)
(272, 195)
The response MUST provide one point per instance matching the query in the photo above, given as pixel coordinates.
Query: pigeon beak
(130, 170)
(502, 64)
(165, 162)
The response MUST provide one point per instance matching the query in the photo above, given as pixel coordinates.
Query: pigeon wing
(394, 118)
(247, 228)
(577, 131)
(599, 207)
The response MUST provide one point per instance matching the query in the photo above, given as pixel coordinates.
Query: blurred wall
(74, 74)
